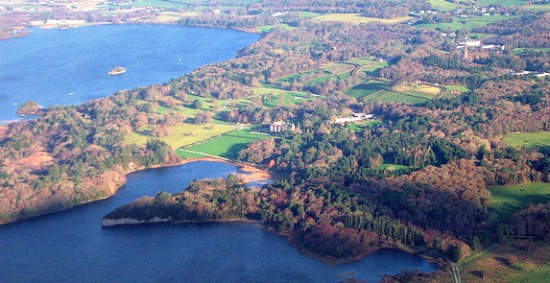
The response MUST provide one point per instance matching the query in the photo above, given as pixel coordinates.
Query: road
(456, 273)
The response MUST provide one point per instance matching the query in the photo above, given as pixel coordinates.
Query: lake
(71, 246)
(65, 67)
(55, 67)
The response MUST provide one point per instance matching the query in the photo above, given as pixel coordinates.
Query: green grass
(160, 4)
(423, 90)
(337, 67)
(537, 7)
(507, 200)
(391, 167)
(268, 28)
(358, 19)
(473, 35)
(297, 76)
(514, 260)
(227, 145)
(529, 140)
(359, 127)
(271, 96)
(466, 23)
(392, 96)
(182, 134)
(308, 15)
(518, 51)
(461, 88)
(444, 5)
(365, 89)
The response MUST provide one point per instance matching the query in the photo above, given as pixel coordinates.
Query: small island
(118, 70)
(30, 108)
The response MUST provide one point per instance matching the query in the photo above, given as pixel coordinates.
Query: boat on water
(117, 71)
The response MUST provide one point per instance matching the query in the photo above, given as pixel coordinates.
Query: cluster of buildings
(528, 73)
(281, 126)
(355, 117)
(478, 44)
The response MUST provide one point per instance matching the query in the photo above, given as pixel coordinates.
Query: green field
(227, 145)
(359, 127)
(529, 140)
(461, 88)
(507, 200)
(358, 19)
(518, 51)
(378, 91)
(182, 134)
(444, 5)
(268, 28)
(422, 90)
(392, 96)
(338, 68)
(391, 167)
(466, 23)
(365, 89)
(537, 7)
(514, 261)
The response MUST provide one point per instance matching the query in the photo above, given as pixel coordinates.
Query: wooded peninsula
(417, 125)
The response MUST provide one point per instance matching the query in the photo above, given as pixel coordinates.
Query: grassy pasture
(182, 134)
(450, 88)
(461, 88)
(422, 90)
(272, 96)
(529, 140)
(337, 68)
(392, 96)
(365, 89)
(537, 7)
(507, 200)
(518, 51)
(444, 5)
(359, 127)
(514, 261)
(391, 167)
(227, 145)
(169, 17)
(268, 28)
(466, 23)
(358, 19)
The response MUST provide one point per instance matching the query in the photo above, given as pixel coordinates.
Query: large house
(281, 126)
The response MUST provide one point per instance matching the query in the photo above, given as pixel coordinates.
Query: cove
(71, 246)
(66, 67)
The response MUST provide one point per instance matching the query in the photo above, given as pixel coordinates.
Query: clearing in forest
(358, 19)
(182, 134)
(227, 145)
(512, 261)
(529, 140)
(507, 200)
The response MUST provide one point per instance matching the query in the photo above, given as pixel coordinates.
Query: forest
(419, 177)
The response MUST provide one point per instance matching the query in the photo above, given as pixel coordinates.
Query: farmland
(181, 135)
(507, 200)
(529, 140)
(358, 19)
(466, 23)
(513, 261)
(227, 145)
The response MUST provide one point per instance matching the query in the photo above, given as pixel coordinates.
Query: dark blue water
(67, 67)
(54, 67)
(72, 247)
